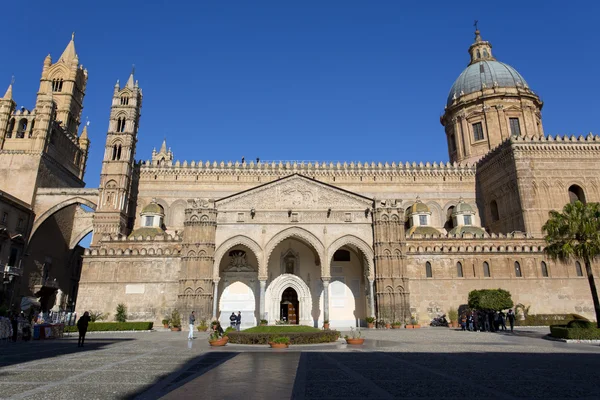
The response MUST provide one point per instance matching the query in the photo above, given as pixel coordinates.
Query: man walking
(511, 319)
(192, 321)
(82, 327)
(232, 320)
(501, 320)
(238, 321)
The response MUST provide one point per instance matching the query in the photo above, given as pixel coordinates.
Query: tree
(121, 315)
(575, 233)
(490, 299)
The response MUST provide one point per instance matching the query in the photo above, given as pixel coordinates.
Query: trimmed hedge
(284, 329)
(562, 332)
(325, 336)
(114, 326)
(548, 319)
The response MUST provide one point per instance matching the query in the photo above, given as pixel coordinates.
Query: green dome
(153, 208)
(463, 207)
(419, 207)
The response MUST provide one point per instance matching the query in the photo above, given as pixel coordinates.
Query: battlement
(309, 168)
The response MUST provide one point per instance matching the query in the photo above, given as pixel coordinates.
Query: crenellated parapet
(517, 242)
(123, 246)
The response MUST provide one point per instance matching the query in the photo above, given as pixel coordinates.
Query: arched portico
(292, 232)
(275, 291)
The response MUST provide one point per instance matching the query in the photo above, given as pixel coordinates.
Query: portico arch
(275, 291)
(361, 245)
(235, 241)
(293, 232)
(56, 208)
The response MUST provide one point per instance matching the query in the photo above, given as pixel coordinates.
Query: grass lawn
(281, 329)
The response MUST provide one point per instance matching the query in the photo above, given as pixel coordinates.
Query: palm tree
(576, 233)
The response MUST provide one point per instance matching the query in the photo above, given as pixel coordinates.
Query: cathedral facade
(308, 242)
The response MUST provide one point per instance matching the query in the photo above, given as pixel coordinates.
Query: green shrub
(121, 315)
(114, 326)
(281, 329)
(581, 324)
(562, 332)
(548, 319)
(490, 299)
(175, 319)
(370, 320)
(453, 314)
(326, 336)
(281, 340)
(264, 321)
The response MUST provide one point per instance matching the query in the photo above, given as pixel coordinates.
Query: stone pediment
(295, 192)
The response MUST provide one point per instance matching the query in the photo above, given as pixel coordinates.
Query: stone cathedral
(301, 242)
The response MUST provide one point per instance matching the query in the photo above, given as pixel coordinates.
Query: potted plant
(386, 324)
(396, 325)
(263, 322)
(453, 317)
(326, 324)
(280, 342)
(175, 321)
(370, 322)
(216, 340)
(354, 337)
(202, 327)
(414, 323)
(165, 323)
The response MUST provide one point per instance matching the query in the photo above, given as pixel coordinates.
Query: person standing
(238, 321)
(232, 320)
(511, 319)
(192, 321)
(502, 320)
(82, 327)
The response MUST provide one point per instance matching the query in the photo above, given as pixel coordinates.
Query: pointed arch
(276, 289)
(66, 203)
(237, 241)
(299, 233)
(364, 248)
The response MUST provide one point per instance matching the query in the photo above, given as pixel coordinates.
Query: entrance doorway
(290, 307)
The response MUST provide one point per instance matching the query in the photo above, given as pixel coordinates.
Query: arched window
(449, 221)
(121, 125)
(57, 85)
(544, 270)
(576, 194)
(118, 152)
(478, 54)
(459, 269)
(494, 210)
(341, 255)
(428, 271)
(124, 100)
(21, 128)
(485, 53)
(452, 143)
(486, 269)
(11, 127)
(578, 268)
(518, 272)
(114, 152)
(31, 128)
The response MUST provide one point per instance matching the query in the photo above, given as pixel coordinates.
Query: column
(263, 288)
(325, 299)
(215, 298)
(372, 297)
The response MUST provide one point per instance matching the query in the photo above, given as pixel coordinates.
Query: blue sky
(312, 80)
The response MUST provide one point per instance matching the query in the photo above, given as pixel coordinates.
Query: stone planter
(388, 326)
(454, 324)
(326, 326)
(202, 328)
(176, 329)
(219, 342)
(396, 326)
(416, 326)
(355, 341)
(278, 345)
(263, 324)
(370, 325)
(166, 326)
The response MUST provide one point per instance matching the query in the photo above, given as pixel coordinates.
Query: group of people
(487, 321)
(236, 320)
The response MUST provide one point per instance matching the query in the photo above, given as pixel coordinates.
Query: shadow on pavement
(39, 350)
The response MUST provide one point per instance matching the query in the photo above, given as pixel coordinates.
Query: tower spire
(480, 50)
(131, 81)
(8, 94)
(69, 54)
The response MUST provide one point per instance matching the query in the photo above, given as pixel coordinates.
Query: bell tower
(118, 165)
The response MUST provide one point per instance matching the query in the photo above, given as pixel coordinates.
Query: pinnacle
(69, 54)
(84, 133)
(8, 94)
(163, 148)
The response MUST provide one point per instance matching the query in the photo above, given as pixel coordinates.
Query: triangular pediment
(295, 192)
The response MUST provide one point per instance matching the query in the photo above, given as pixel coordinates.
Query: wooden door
(292, 317)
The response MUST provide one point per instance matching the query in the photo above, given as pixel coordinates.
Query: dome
(463, 207)
(419, 207)
(486, 72)
(153, 208)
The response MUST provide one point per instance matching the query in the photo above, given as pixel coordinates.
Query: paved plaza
(430, 362)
